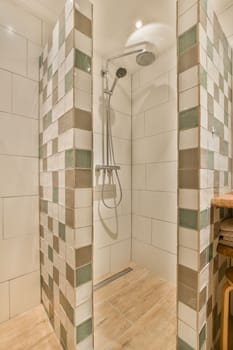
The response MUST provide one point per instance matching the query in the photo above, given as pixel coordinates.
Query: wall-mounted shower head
(145, 58)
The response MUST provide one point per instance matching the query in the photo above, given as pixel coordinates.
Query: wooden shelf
(224, 250)
(223, 200)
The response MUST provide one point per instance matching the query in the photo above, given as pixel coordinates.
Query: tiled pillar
(204, 83)
(66, 176)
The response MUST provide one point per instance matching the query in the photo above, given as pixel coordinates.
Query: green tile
(188, 218)
(44, 206)
(226, 178)
(83, 330)
(70, 158)
(188, 39)
(202, 336)
(225, 148)
(83, 159)
(188, 119)
(55, 195)
(210, 50)
(204, 5)
(219, 127)
(82, 61)
(83, 274)
(204, 219)
(50, 253)
(61, 37)
(209, 254)
(226, 119)
(50, 72)
(181, 345)
(51, 283)
(62, 231)
(47, 120)
(69, 81)
(203, 77)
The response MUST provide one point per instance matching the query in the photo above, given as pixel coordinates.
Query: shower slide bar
(107, 167)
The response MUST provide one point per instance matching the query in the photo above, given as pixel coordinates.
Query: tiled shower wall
(21, 39)
(66, 176)
(154, 180)
(205, 108)
(112, 228)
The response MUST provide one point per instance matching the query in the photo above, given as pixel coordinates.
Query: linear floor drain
(112, 278)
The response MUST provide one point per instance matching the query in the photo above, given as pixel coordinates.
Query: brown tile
(67, 307)
(70, 275)
(41, 192)
(83, 120)
(44, 97)
(189, 159)
(188, 277)
(188, 59)
(187, 295)
(45, 165)
(78, 178)
(230, 94)
(202, 298)
(216, 262)
(55, 178)
(50, 224)
(69, 198)
(189, 178)
(69, 43)
(41, 231)
(55, 81)
(65, 122)
(83, 256)
(55, 96)
(55, 145)
(209, 306)
(70, 217)
(45, 66)
(203, 259)
(216, 93)
(221, 82)
(70, 178)
(56, 275)
(41, 258)
(56, 244)
(226, 104)
(210, 104)
(83, 24)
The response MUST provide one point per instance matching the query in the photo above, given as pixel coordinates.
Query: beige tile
(34, 52)
(18, 257)
(4, 302)
(19, 176)
(25, 97)
(26, 218)
(120, 254)
(18, 135)
(13, 51)
(24, 293)
(5, 91)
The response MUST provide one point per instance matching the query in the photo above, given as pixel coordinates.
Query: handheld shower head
(120, 73)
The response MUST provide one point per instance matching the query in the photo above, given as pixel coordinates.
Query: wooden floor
(30, 331)
(136, 311)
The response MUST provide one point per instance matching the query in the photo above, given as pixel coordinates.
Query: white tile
(141, 229)
(184, 5)
(138, 126)
(187, 315)
(24, 293)
(139, 177)
(85, 7)
(83, 312)
(47, 29)
(13, 52)
(20, 21)
(188, 99)
(34, 52)
(4, 302)
(156, 260)
(161, 177)
(120, 254)
(188, 199)
(25, 97)
(164, 236)
(189, 258)
(18, 257)
(188, 238)
(83, 217)
(83, 100)
(83, 43)
(86, 344)
(18, 135)
(83, 292)
(82, 139)
(187, 19)
(101, 262)
(187, 334)
(26, 218)
(121, 125)
(5, 91)
(188, 79)
(83, 198)
(189, 139)
(161, 119)
(19, 176)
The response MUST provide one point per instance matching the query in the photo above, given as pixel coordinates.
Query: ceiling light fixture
(138, 24)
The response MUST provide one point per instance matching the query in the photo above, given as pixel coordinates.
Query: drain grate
(112, 278)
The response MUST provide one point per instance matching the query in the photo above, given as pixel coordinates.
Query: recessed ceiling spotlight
(138, 24)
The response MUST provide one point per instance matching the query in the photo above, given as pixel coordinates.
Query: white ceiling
(116, 18)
